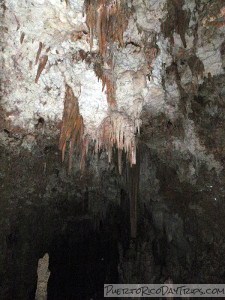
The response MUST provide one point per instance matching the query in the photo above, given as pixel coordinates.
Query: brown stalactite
(42, 64)
(107, 81)
(72, 127)
(38, 52)
(108, 20)
(112, 134)
(22, 37)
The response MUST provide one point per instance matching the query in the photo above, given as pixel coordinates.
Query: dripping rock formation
(112, 140)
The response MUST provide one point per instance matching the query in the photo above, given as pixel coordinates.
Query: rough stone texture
(169, 81)
(43, 277)
(26, 101)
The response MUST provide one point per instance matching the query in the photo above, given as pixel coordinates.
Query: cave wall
(169, 81)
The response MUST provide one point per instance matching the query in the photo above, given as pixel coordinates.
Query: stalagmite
(43, 276)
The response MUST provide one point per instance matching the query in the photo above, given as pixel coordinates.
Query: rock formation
(112, 142)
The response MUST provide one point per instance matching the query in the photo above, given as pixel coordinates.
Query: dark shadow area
(81, 261)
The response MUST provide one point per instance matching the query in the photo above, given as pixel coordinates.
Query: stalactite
(108, 82)
(84, 151)
(38, 52)
(22, 37)
(72, 127)
(133, 176)
(41, 66)
(120, 161)
(118, 131)
(91, 18)
(102, 26)
(107, 19)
